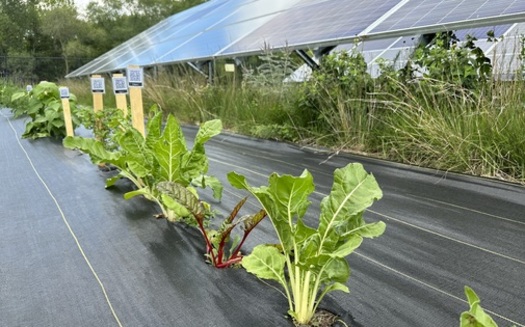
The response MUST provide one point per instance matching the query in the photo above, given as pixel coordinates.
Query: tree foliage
(55, 33)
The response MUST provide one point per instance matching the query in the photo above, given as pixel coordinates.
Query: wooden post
(120, 97)
(135, 99)
(64, 95)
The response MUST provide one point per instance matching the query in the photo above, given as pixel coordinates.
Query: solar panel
(226, 28)
(311, 21)
(422, 13)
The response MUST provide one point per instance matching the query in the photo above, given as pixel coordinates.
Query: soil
(325, 318)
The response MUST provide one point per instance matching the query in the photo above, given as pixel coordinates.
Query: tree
(63, 26)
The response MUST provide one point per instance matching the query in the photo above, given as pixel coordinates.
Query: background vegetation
(445, 110)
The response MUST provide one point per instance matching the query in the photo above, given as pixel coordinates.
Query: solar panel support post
(307, 59)
(197, 69)
(211, 72)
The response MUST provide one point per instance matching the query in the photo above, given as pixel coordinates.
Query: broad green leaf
(368, 230)
(195, 162)
(138, 157)
(347, 247)
(169, 150)
(183, 197)
(353, 191)
(285, 200)
(153, 129)
(208, 130)
(95, 149)
(266, 262)
(215, 184)
(18, 95)
(175, 206)
(112, 180)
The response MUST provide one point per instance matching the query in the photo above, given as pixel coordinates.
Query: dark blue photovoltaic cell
(311, 21)
(421, 13)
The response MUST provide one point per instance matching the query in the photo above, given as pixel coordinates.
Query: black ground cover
(443, 232)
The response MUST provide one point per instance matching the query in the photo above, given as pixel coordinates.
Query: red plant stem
(229, 262)
(238, 248)
(209, 247)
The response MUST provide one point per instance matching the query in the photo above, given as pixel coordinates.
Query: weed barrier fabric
(152, 272)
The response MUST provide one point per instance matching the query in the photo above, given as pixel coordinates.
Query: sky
(81, 4)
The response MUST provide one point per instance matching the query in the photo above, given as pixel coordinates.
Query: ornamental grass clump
(311, 262)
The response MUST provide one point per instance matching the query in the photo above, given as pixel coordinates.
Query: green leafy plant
(186, 203)
(44, 107)
(449, 60)
(476, 316)
(310, 262)
(161, 156)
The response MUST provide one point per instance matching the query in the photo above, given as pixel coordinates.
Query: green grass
(423, 122)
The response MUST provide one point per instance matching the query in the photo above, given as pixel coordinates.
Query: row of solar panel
(228, 28)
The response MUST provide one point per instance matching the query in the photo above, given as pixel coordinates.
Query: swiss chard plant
(161, 156)
(44, 107)
(476, 316)
(222, 250)
(310, 262)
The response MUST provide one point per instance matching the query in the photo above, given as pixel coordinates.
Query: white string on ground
(64, 219)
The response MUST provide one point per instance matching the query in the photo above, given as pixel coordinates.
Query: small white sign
(29, 88)
(229, 68)
(135, 77)
(64, 92)
(98, 85)
(120, 85)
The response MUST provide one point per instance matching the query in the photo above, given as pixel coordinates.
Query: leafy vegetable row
(308, 262)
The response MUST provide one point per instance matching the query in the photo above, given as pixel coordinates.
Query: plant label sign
(64, 92)
(135, 77)
(120, 85)
(98, 85)
(29, 88)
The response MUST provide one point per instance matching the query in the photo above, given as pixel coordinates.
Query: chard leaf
(184, 197)
(195, 162)
(169, 150)
(215, 184)
(18, 95)
(347, 247)
(141, 191)
(285, 200)
(138, 157)
(208, 130)
(153, 128)
(353, 191)
(95, 149)
(179, 210)
(112, 180)
(266, 262)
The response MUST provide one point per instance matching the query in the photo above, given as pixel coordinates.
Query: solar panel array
(228, 28)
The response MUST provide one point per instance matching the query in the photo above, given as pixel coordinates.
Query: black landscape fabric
(444, 231)
(153, 272)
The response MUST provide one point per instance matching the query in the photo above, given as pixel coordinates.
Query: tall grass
(420, 121)
(435, 124)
